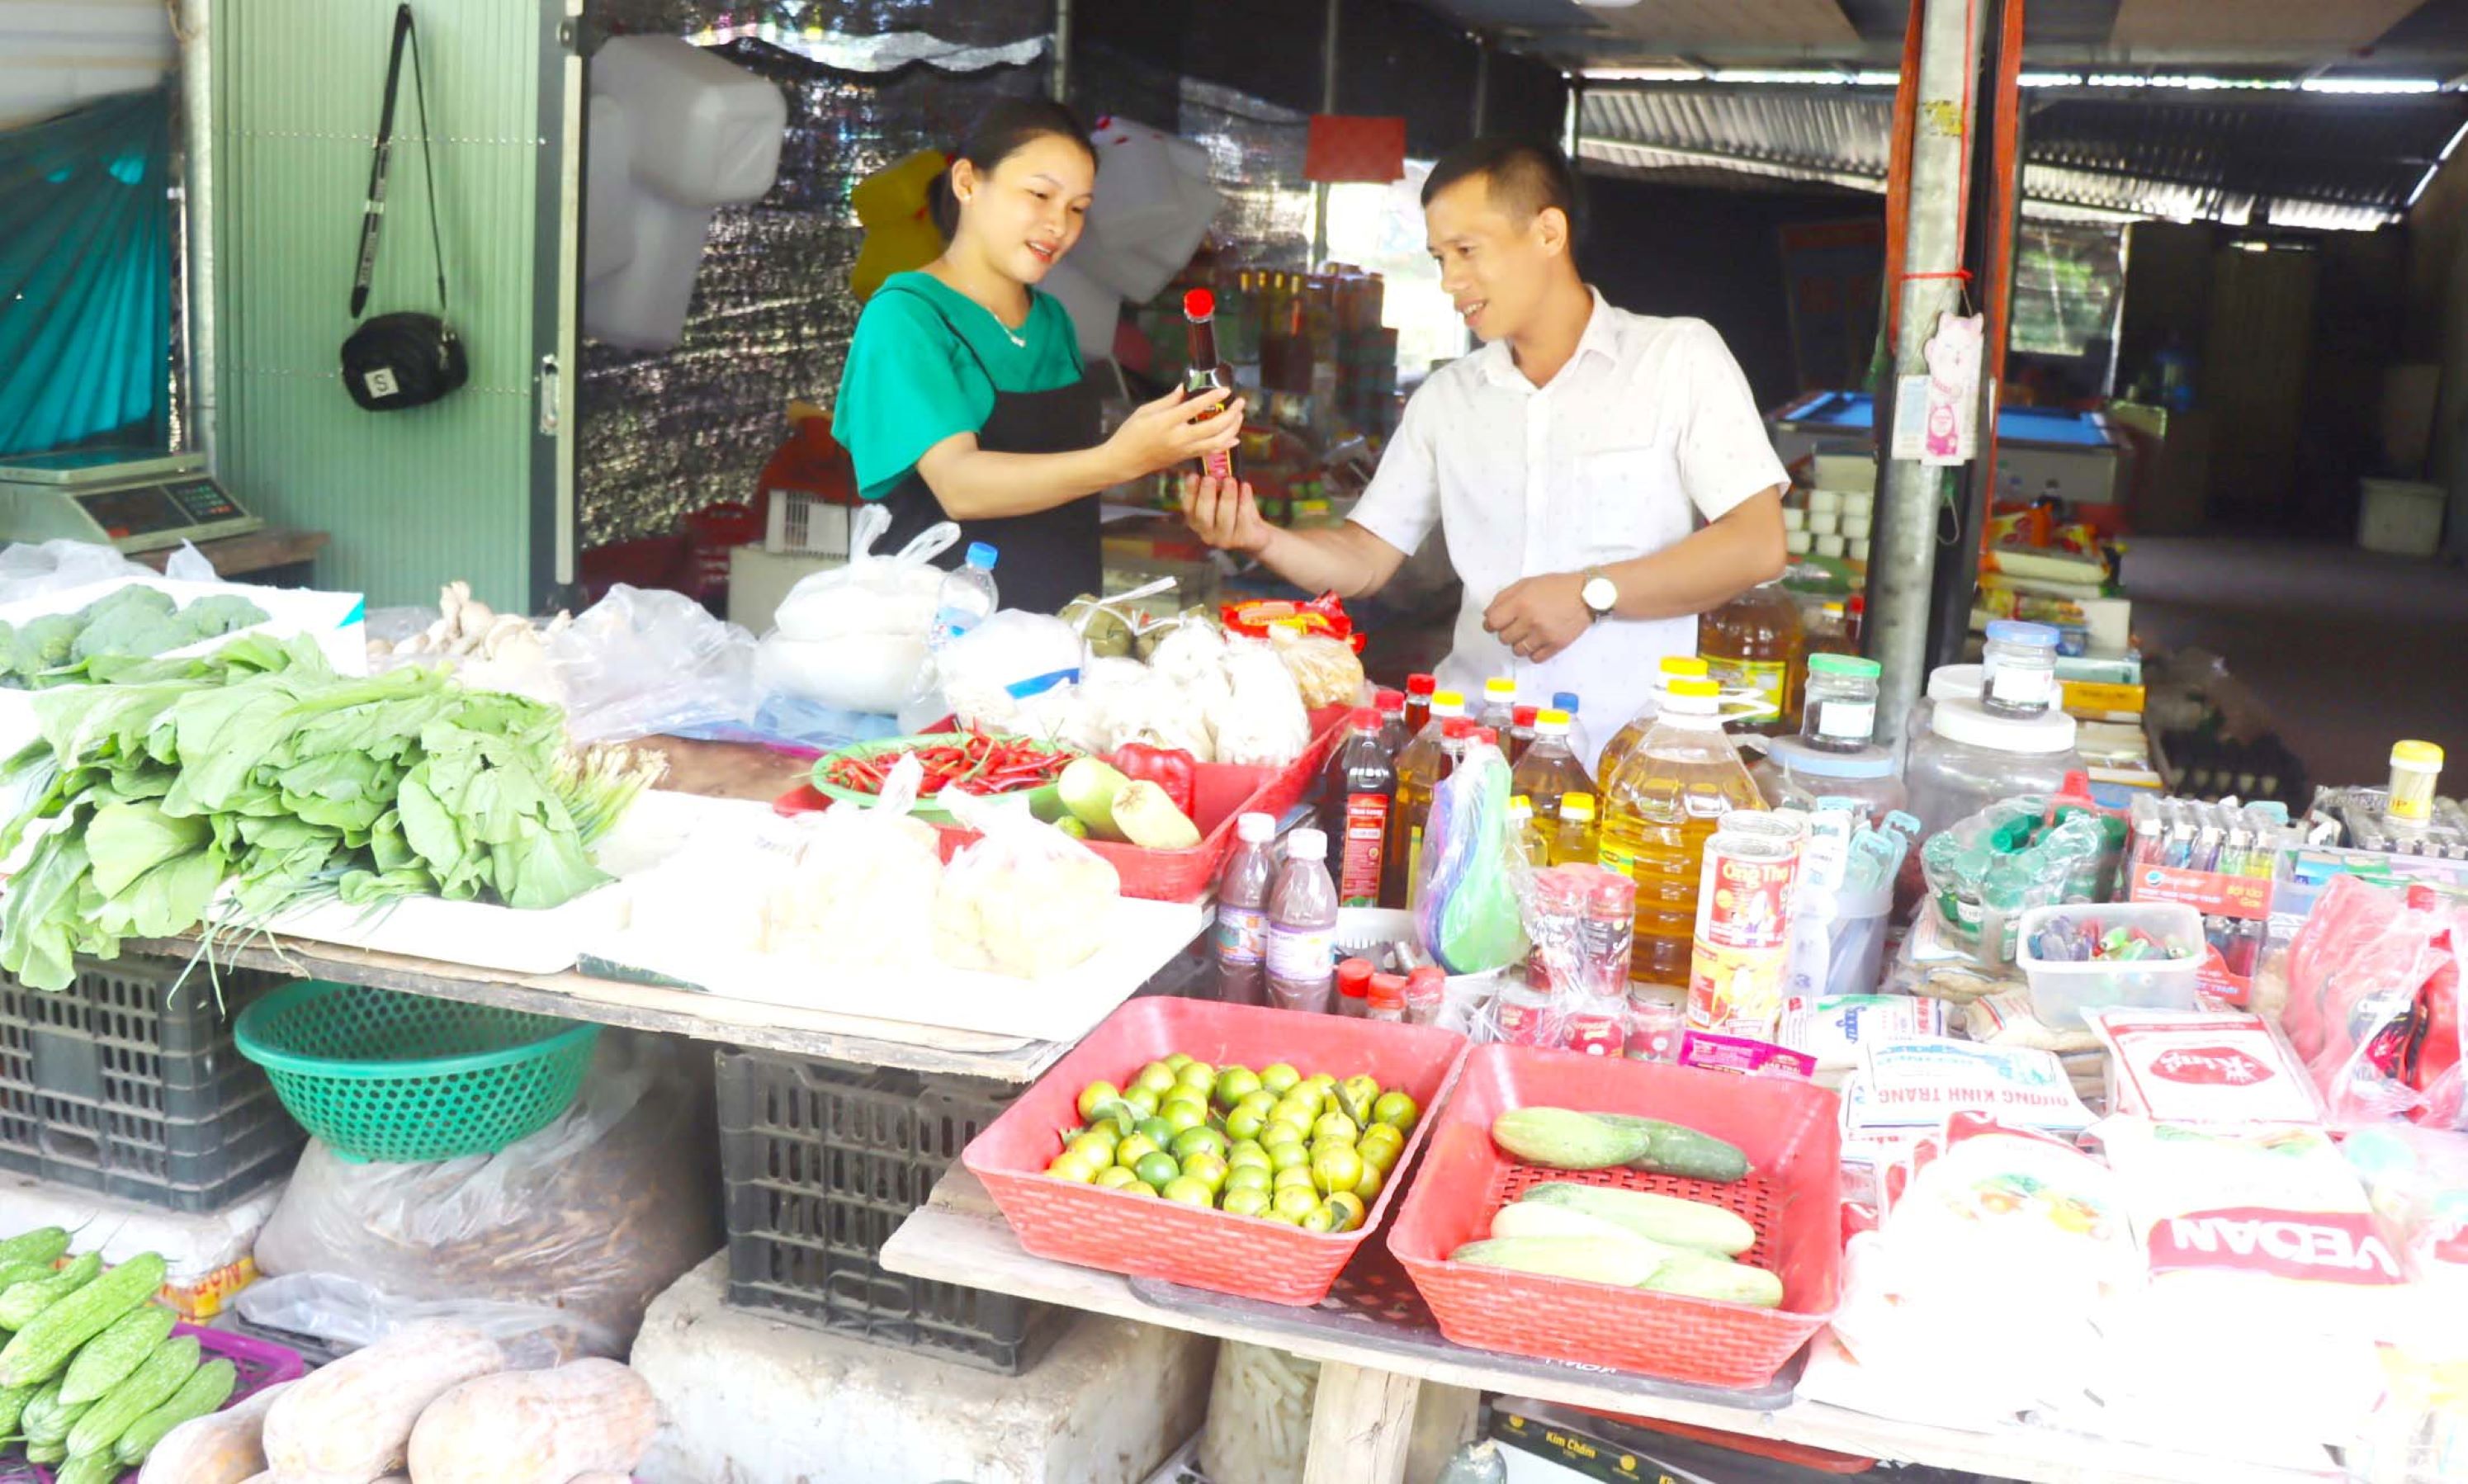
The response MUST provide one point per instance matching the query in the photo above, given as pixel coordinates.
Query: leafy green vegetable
(134, 622)
(258, 771)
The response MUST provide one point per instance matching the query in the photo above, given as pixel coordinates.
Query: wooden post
(1446, 1419)
(1362, 1422)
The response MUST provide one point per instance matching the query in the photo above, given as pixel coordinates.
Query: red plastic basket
(1793, 1196)
(1157, 1239)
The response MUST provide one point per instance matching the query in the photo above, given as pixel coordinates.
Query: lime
(1182, 1113)
(1380, 1154)
(1335, 1128)
(1295, 1112)
(1246, 1201)
(1186, 1191)
(1397, 1111)
(1117, 1178)
(1336, 1167)
(1369, 1186)
(1294, 1202)
(1278, 1077)
(1262, 1103)
(1299, 1178)
(1073, 1168)
(1243, 1124)
(1248, 1177)
(1192, 1141)
(1155, 1078)
(1325, 1083)
(1321, 1220)
(1142, 1103)
(1283, 1219)
(1348, 1205)
(1157, 1129)
(1095, 1148)
(1248, 1151)
(1293, 1155)
(1157, 1168)
(1355, 1095)
(1128, 1153)
(1209, 1169)
(1178, 1062)
(1283, 1133)
(1140, 1188)
(1096, 1095)
(1197, 1074)
(1234, 1085)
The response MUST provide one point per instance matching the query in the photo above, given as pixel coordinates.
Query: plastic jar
(1794, 775)
(2020, 661)
(1839, 713)
(1967, 760)
(1961, 682)
(2415, 766)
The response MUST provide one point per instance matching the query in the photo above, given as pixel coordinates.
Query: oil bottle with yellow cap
(1664, 801)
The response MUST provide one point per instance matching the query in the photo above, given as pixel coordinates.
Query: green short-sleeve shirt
(910, 383)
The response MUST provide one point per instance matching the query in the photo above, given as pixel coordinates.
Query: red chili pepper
(1171, 769)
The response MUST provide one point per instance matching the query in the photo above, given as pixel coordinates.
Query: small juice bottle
(1549, 769)
(1419, 770)
(1665, 803)
(1575, 840)
(1520, 732)
(1499, 705)
(1418, 704)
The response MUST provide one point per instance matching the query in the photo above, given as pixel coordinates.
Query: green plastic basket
(407, 1079)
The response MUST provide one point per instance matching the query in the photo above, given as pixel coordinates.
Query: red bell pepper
(1171, 769)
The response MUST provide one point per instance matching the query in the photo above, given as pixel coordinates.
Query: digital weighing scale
(132, 498)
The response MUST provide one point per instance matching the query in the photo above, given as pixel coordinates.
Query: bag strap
(373, 219)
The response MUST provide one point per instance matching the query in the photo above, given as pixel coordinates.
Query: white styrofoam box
(1847, 472)
(1855, 527)
(1823, 501)
(1859, 502)
(704, 131)
(1830, 546)
(1794, 518)
(1799, 543)
(748, 1396)
(2401, 518)
(608, 196)
(1824, 522)
(1856, 548)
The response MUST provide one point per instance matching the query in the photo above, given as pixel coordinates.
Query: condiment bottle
(1498, 704)
(1302, 927)
(1242, 911)
(1754, 642)
(1418, 703)
(1393, 736)
(1387, 1000)
(1664, 804)
(1520, 732)
(1624, 742)
(1580, 741)
(1358, 795)
(1426, 995)
(1353, 986)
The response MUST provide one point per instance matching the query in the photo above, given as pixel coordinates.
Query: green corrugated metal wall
(412, 498)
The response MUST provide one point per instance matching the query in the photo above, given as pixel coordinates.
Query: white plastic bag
(640, 662)
(1025, 899)
(1260, 721)
(989, 671)
(31, 569)
(861, 889)
(594, 1215)
(855, 636)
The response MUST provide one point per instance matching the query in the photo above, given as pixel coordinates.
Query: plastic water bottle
(967, 597)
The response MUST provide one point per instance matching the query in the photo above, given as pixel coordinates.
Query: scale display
(133, 499)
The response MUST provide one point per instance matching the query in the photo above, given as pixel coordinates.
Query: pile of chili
(976, 763)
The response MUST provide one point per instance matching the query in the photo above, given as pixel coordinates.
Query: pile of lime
(1274, 1145)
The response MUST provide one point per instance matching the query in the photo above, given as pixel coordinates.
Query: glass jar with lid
(1840, 712)
(2021, 665)
(1969, 759)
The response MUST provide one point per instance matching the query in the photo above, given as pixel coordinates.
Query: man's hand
(1536, 617)
(1221, 513)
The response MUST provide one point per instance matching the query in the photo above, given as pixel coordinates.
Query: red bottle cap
(1524, 715)
(1198, 304)
(1421, 685)
(1353, 977)
(1487, 735)
(1455, 728)
(1367, 719)
(1387, 992)
(1389, 700)
(1426, 985)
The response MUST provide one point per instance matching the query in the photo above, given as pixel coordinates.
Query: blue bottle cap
(981, 554)
(1565, 700)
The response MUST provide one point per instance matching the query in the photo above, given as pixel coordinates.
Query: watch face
(1599, 594)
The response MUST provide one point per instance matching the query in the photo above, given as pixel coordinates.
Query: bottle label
(1302, 956)
(1413, 857)
(1242, 934)
(1366, 836)
(1847, 719)
(1218, 466)
(2012, 687)
(949, 624)
(1613, 858)
(1763, 676)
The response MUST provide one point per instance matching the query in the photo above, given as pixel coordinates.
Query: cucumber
(25, 1302)
(38, 1351)
(12, 1407)
(1561, 1139)
(1701, 1276)
(203, 1393)
(1676, 1149)
(1623, 1262)
(89, 1469)
(113, 1356)
(165, 1372)
(1543, 1219)
(1670, 1220)
(43, 1245)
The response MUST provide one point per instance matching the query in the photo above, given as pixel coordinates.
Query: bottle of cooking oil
(1575, 840)
(1625, 740)
(1661, 809)
(1550, 769)
(1420, 766)
(1755, 642)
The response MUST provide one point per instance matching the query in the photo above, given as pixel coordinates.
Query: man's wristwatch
(1600, 593)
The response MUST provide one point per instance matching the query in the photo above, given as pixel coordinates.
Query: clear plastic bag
(30, 569)
(1259, 1416)
(1986, 871)
(349, 1314)
(855, 637)
(1024, 900)
(1260, 721)
(641, 662)
(2356, 971)
(1465, 892)
(594, 1215)
(1325, 672)
(990, 674)
(860, 890)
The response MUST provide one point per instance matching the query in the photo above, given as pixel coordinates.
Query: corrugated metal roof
(2289, 158)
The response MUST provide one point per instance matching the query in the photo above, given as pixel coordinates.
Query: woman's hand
(1162, 433)
(1222, 513)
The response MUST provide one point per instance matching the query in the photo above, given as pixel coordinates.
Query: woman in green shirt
(964, 398)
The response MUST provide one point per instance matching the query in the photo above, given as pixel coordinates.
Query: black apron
(1047, 558)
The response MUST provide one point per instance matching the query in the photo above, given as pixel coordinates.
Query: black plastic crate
(123, 1085)
(822, 1163)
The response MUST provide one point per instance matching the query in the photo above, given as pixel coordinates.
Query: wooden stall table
(1371, 1381)
(269, 549)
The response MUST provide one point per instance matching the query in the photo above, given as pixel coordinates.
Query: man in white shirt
(1564, 460)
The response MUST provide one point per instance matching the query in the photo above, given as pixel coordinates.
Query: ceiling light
(2370, 86)
(2050, 79)
(1643, 74)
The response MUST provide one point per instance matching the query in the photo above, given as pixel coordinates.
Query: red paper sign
(1347, 148)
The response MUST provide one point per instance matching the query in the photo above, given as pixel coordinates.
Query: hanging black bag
(397, 361)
